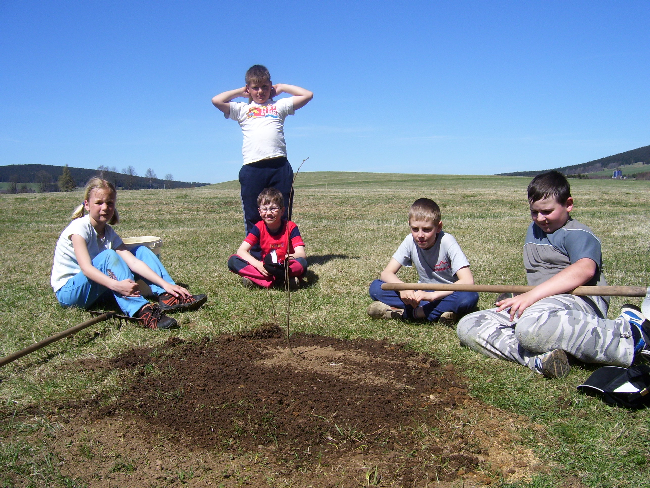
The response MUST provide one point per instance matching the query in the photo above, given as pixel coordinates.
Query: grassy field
(351, 223)
(628, 170)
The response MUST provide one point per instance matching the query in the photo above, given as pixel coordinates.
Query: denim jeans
(81, 292)
(459, 302)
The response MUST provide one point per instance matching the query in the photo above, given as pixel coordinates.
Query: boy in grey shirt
(438, 258)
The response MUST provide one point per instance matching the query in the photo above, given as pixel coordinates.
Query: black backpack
(623, 387)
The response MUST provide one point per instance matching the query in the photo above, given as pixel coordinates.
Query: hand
(128, 288)
(259, 265)
(176, 290)
(411, 297)
(516, 304)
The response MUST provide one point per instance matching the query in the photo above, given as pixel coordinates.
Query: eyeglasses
(268, 209)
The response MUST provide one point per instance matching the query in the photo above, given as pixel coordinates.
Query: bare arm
(389, 275)
(298, 252)
(300, 96)
(243, 252)
(128, 288)
(141, 269)
(222, 101)
(566, 280)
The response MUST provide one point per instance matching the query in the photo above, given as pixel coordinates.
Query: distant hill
(605, 166)
(48, 176)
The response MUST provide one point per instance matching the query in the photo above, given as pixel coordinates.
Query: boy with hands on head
(437, 258)
(264, 148)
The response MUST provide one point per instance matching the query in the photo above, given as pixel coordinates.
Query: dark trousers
(459, 302)
(257, 176)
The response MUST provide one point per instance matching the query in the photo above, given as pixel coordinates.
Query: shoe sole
(379, 310)
(172, 325)
(556, 365)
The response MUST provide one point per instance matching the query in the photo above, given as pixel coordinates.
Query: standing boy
(438, 259)
(264, 149)
(537, 328)
(278, 239)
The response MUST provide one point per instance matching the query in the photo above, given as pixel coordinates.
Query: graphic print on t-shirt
(258, 111)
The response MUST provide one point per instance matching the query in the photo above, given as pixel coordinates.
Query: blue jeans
(81, 292)
(459, 302)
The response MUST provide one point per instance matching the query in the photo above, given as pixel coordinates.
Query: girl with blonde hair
(91, 261)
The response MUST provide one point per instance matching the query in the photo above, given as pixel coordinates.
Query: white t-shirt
(65, 262)
(438, 264)
(262, 127)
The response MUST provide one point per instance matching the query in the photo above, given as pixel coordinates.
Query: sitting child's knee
(463, 329)
(235, 263)
(375, 289)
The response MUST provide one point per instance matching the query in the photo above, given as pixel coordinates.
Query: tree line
(19, 178)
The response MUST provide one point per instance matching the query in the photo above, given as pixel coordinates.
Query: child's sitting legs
(458, 303)
(297, 268)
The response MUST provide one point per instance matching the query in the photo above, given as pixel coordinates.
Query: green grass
(628, 170)
(30, 186)
(351, 223)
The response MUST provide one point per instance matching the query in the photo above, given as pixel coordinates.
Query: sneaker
(633, 315)
(379, 310)
(170, 303)
(554, 364)
(247, 282)
(448, 318)
(152, 317)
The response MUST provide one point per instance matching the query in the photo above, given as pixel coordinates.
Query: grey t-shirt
(545, 255)
(438, 264)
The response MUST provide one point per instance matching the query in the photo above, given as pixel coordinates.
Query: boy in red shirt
(279, 240)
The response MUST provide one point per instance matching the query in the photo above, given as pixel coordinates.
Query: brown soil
(250, 411)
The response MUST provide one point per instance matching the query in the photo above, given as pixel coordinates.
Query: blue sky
(455, 87)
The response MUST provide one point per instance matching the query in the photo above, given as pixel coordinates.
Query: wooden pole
(55, 337)
(619, 291)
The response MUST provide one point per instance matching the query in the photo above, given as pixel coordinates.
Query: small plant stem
(287, 284)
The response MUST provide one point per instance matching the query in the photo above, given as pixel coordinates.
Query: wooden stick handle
(610, 291)
(55, 337)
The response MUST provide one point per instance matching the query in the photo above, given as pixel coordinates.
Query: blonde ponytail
(79, 212)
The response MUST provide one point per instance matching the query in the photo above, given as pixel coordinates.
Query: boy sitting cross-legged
(279, 240)
(438, 259)
(538, 328)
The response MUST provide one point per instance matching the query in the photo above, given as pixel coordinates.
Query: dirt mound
(259, 410)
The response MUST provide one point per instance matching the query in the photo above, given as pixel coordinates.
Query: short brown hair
(425, 209)
(270, 196)
(257, 74)
(550, 184)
